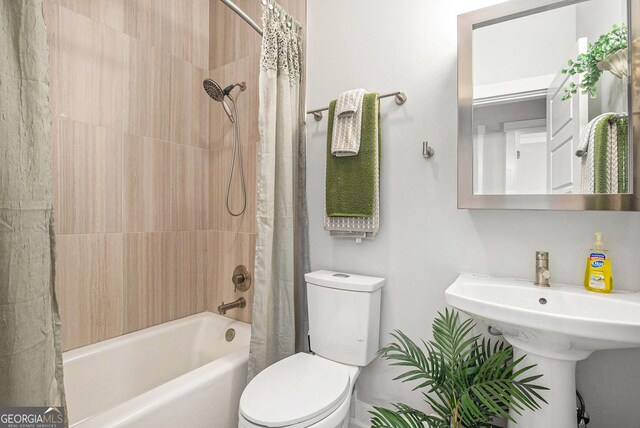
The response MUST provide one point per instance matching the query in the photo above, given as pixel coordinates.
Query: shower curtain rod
(242, 14)
(231, 5)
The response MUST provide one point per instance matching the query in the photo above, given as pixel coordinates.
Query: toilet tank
(344, 316)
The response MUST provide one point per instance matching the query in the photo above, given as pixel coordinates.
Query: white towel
(352, 226)
(349, 102)
(345, 140)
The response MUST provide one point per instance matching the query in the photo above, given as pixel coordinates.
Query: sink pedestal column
(560, 377)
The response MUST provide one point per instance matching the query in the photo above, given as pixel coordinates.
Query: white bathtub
(183, 373)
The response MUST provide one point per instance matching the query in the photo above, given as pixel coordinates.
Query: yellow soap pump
(597, 276)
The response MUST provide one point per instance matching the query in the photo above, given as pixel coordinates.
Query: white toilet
(307, 390)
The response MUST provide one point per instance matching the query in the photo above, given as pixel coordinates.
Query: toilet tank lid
(344, 281)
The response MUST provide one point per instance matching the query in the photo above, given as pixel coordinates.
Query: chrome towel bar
(400, 97)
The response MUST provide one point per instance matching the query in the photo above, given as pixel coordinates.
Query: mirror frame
(570, 202)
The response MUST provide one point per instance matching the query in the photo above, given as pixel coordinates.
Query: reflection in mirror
(550, 102)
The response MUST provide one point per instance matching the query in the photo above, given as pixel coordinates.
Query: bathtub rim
(114, 342)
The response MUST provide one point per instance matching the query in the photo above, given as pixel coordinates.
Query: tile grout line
(125, 286)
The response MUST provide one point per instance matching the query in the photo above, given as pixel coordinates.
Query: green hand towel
(623, 155)
(350, 181)
(601, 155)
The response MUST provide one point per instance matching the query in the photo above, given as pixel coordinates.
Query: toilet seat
(295, 392)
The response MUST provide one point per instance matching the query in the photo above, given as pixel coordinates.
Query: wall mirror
(546, 105)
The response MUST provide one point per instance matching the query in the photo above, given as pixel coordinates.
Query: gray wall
(424, 241)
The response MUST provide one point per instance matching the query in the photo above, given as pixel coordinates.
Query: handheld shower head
(215, 91)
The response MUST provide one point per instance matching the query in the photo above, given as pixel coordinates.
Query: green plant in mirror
(466, 380)
(586, 64)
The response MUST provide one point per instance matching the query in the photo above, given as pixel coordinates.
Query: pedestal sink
(555, 327)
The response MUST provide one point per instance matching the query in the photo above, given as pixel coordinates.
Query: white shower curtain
(281, 210)
(30, 356)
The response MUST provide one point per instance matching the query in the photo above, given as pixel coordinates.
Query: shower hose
(237, 152)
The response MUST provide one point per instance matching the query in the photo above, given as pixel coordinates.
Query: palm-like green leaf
(465, 379)
(428, 369)
(404, 417)
(451, 337)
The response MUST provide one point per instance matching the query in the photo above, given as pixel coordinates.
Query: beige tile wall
(140, 159)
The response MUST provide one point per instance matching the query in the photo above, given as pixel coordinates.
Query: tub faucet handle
(241, 278)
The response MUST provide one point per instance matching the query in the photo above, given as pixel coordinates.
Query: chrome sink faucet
(542, 269)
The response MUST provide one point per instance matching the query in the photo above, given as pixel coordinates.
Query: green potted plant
(468, 382)
(608, 53)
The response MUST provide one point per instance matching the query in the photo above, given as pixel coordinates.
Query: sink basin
(554, 326)
(561, 321)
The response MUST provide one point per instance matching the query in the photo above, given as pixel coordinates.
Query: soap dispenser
(597, 276)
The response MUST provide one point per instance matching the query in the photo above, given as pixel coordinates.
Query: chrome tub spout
(224, 307)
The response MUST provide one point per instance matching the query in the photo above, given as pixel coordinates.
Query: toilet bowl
(315, 390)
(298, 392)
